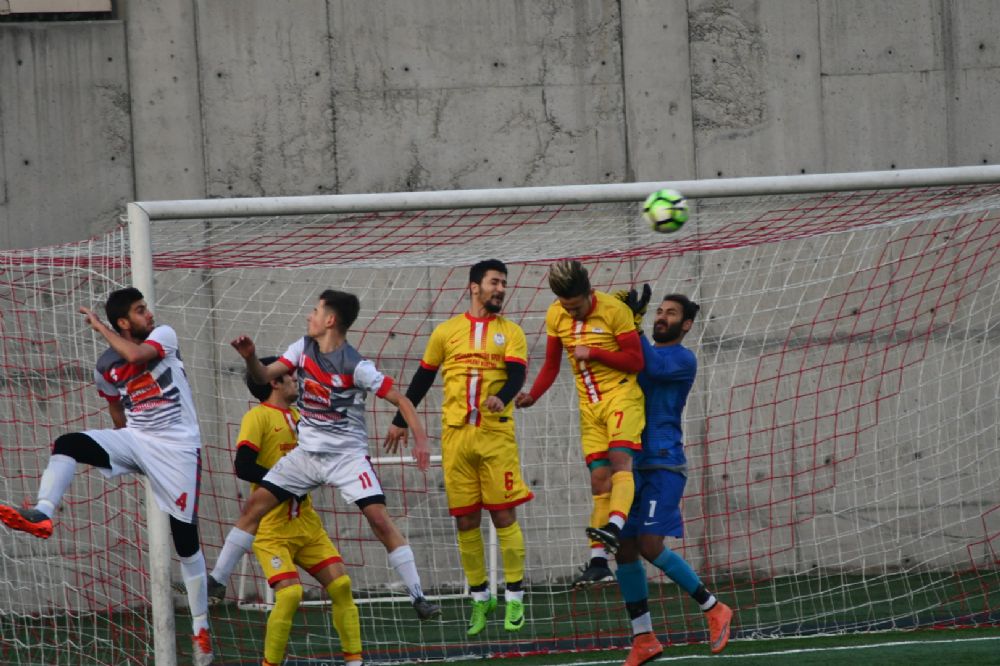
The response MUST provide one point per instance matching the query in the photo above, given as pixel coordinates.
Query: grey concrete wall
(65, 131)
(228, 98)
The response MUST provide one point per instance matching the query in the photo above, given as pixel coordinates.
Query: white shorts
(300, 472)
(173, 472)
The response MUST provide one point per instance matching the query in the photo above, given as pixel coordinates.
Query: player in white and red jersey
(156, 434)
(334, 380)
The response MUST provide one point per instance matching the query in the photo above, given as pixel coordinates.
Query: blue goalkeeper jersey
(666, 381)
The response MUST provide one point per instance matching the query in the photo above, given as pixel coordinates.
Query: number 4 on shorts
(182, 501)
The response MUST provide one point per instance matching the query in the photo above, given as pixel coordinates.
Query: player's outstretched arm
(257, 371)
(421, 447)
(130, 351)
(422, 381)
(547, 375)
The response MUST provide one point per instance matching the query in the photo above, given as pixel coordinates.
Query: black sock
(637, 608)
(701, 595)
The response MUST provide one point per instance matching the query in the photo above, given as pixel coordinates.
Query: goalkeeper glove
(637, 304)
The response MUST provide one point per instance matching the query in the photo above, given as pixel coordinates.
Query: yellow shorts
(299, 544)
(614, 422)
(482, 469)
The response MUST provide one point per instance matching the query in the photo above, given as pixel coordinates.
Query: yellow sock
(279, 622)
(622, 494)
(345, 617)
(470, 551)
(512, 551)
(599, 514)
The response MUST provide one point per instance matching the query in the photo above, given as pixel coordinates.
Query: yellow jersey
(272, 432)
(472, 354)
(608, 319)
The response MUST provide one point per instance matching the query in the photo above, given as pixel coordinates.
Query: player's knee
(185, 537)
(81, 448)
(600, 480)
(289, 595)
(340, 590)
(651, 549)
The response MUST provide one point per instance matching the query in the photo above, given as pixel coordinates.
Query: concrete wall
(245, 98)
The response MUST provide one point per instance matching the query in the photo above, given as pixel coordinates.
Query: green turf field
(837, 618)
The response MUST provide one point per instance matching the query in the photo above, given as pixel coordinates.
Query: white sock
(707, 606)
(193, 573)
(513, 595)
(617, 520)
(642, 624)
(481, 595)
(403, 562)
(598, 551)
(56, 478)
(237, 544)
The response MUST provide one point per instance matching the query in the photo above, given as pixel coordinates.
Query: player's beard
(493, 305)
(667, 333)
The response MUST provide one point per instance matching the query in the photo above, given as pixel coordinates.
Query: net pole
(157, 526)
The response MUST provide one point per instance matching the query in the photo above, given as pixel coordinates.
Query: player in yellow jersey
(598, 332)
(483, 357)
(291, 535)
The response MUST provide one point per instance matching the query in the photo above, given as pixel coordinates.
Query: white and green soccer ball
(665, 210)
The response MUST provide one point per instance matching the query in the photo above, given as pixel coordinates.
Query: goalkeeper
(291, 535)
(598, 333)
(661, 474)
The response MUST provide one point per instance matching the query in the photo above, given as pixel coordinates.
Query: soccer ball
(665, 210)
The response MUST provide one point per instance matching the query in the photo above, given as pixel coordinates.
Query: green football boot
(513, 617)
(480, 609)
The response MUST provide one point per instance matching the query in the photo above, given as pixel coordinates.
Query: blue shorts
(657, 505)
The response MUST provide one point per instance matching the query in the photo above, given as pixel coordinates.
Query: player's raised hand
(523, 400)
(92, 319)
(395, 439)
(244, 346)
(636, 303)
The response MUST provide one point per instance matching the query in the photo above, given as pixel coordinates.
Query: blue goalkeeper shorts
(657, 505)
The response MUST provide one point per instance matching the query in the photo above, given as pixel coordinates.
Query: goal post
(842, 431)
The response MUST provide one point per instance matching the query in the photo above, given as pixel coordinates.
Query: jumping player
(598, 333)
(333, 381)
(156, 434)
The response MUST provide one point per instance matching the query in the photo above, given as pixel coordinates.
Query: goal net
(842, 433)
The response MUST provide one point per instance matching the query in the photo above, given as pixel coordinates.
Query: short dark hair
(260, 391)
(689, 307)
(118, 304)
(346, 306)
(479, 269)
(569, 279)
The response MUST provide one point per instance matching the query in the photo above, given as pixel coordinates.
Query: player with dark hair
(156, 434)
(333, 382)
(291, 535)
(483, 357)
(661, 474)
(599, 335)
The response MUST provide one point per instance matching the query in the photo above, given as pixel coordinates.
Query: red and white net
(842, 433)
